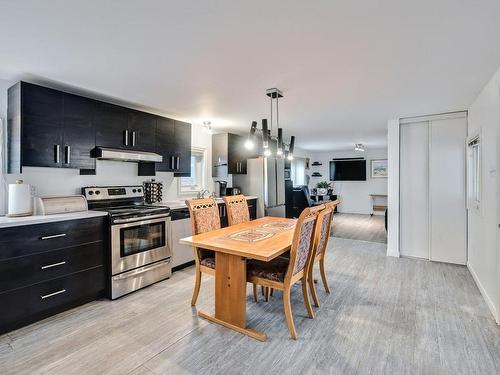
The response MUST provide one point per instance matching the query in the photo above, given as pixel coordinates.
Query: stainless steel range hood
(106, 153)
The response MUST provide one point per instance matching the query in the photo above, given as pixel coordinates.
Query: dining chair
(237, 212)
(282, 273)
(322, 235)
(237, 209)
(204, 215)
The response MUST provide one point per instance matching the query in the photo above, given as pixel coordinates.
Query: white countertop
(40, 219)
(174, 205)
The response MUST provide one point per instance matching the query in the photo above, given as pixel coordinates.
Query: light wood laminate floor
(360, 227)
(384, 316)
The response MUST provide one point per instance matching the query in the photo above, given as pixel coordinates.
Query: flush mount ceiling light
(271, 141)
(207, 126)
(359, 147)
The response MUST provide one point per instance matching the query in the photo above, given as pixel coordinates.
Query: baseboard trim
(487, 298)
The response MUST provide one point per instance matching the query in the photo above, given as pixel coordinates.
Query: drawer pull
(53, 294)
(53, 265)
(53, 236)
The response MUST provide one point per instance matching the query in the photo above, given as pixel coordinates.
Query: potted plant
(323, 187)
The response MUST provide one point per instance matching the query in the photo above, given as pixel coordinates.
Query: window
(195, 182)
(474, 173)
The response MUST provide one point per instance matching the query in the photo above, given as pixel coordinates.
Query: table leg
(230, 295)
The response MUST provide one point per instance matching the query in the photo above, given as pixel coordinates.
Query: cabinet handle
(53, 236)
(125, 137)
(172, 162)
(178, 163)
(133, 138)
(53, 265)
(67, 154)
(57, 148)
(53, 294)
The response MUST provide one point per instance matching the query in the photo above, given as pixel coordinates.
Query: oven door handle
(141, 270)
(143, 218)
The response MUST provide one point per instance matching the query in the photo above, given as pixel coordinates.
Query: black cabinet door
(78, 132)
(182, 148)
(252, 208)
(42, 126)
(223, 215)
(111, 124)
(142, 130)
(236, 156)
(165, 143)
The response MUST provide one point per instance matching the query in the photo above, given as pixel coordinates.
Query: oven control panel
(94, 193)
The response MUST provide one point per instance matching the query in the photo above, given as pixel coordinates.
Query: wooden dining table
(262, 239)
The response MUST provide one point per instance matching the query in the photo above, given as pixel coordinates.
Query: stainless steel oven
(140, 247)
(137, 243)
(140, 253)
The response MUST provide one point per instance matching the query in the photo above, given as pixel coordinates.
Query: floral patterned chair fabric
(237, 209)
(204, 218)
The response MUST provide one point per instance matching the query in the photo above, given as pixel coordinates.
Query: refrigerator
(265, 179)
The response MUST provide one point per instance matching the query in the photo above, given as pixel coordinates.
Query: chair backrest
(237, 209)
(204, 215)
(301, 251)
(323, 228)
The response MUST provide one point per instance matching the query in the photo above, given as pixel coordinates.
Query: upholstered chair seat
(274, 270)
(208, 262)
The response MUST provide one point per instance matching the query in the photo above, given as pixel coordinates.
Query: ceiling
(345, 67)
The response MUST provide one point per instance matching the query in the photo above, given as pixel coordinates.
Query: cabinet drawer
(31, 239)
(22, 271)
(26, 305)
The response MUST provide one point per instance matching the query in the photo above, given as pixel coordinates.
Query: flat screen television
(348, 170)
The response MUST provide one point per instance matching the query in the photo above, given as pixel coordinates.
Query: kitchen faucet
(201, 193)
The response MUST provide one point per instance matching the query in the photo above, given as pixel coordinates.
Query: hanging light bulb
(249, 144)
(279, 151)
(291, 147)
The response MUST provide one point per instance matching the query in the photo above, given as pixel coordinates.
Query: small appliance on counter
(20, 200)
(221, 189)
(233, 191)
(153, 191)
(60, 205)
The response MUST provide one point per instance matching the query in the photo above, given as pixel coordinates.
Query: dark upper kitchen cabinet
(48, 128)
(173, 142)
(124, 128)
(182, 148)
(229, 155)
(78, 132)
(142, 130)
(36, 116)
(165, 143)
(111, 125)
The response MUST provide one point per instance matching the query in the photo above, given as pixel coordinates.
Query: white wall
(354, 195)
(393, 188)
(55, 181)
(483, 241)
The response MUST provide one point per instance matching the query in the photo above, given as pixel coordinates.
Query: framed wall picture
(379, 168)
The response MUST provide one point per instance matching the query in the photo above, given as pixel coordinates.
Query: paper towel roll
(20, 201)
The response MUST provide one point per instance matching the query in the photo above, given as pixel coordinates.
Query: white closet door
(414, 193)
(448, 216)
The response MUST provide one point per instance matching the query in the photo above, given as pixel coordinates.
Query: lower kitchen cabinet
(49, 268)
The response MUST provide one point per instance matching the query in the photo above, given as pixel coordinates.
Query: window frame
(184, 191)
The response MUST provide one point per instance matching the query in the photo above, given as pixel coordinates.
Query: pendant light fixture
(268, 137)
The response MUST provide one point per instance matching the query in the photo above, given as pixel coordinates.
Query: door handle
(125, 137)
(53, 236)
(57, 148)
(53, 265)
(133, 138)
(67, 154)
(53, 294)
